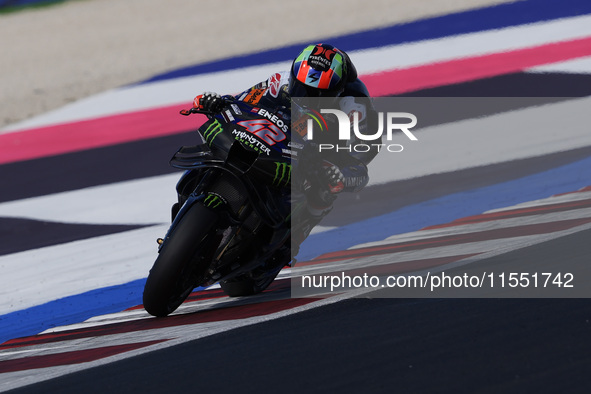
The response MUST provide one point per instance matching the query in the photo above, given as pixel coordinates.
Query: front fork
(192, 188)
(177, 213)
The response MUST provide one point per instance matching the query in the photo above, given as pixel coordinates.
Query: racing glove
(209, 102)
(334, 178)
(350, 178)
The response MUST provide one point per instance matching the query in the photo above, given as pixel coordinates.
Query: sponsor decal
(313, 76)
(289, 152)
(228, 116)
(254, 96)
(295, 145)
(236, 109)
(273, 118)
(299, 126)
(274, 83)
(251, 141)
(321, 58)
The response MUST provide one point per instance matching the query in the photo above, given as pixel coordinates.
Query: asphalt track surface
(355, 345)
(381, 345)
(150, 157)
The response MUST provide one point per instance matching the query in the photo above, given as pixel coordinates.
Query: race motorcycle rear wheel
(257, 280)
(182, 260)
(247, 285)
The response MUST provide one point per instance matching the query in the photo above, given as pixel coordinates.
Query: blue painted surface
(69, 310)
(445, 209)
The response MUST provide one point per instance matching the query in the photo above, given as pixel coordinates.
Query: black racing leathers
(355, 98)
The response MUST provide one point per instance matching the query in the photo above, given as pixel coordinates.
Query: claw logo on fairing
(212, 131)
(213, 201)
(282, 174)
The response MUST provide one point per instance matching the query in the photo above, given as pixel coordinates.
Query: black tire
(183, 258)
(247, 285)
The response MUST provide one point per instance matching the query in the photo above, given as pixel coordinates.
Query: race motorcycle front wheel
(182, 260)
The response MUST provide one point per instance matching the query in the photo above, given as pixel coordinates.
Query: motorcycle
(232, 223)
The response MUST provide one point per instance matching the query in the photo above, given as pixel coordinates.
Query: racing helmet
(319, 71)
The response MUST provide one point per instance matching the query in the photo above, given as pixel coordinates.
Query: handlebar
(187, 112)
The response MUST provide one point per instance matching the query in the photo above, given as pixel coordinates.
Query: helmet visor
(299, 89)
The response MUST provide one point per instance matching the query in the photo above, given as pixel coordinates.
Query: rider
(319, 71)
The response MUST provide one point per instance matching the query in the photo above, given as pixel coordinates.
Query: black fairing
(251, 145)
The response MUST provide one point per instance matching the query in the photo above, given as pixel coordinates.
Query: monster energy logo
(282, 174)
(212, 131)
(213, 201)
